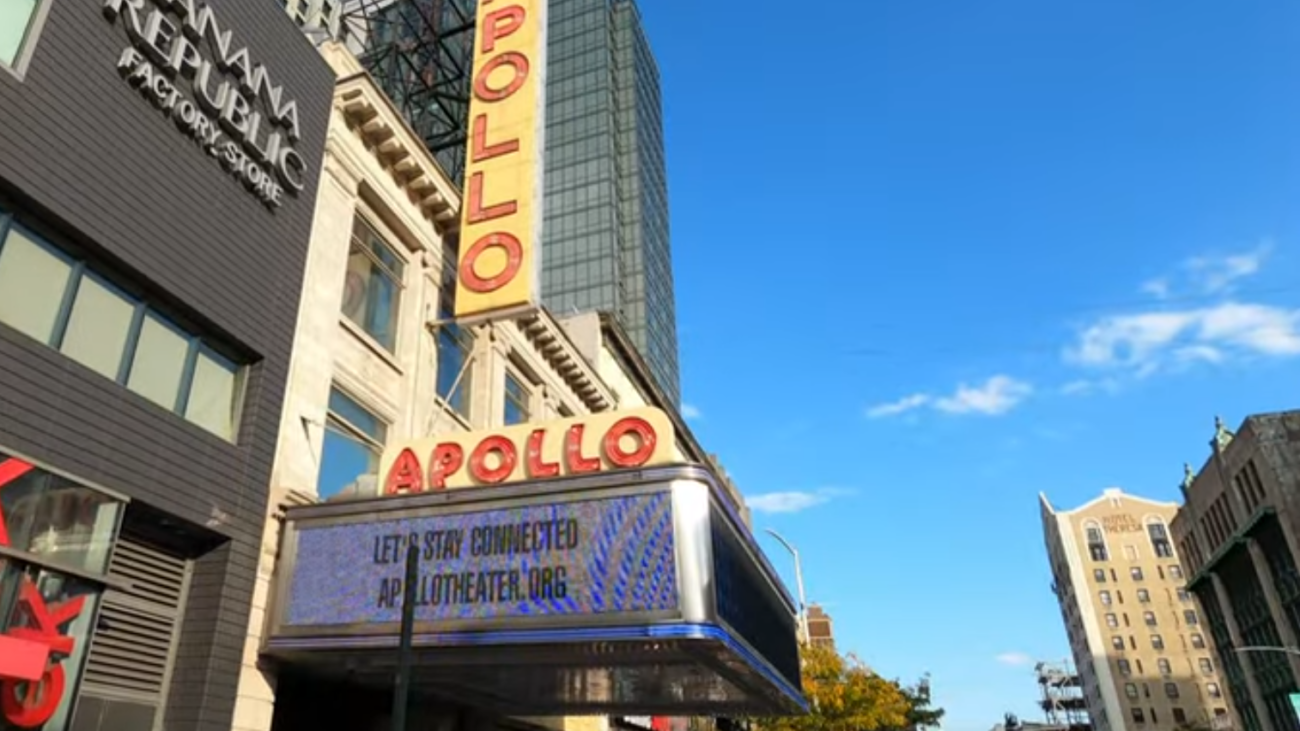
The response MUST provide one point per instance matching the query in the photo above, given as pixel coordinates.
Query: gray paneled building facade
(606, 242)
(153, 234)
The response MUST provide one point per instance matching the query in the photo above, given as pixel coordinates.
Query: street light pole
(798, 580)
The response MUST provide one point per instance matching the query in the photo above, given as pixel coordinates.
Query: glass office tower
(605, 242)
(605, 238)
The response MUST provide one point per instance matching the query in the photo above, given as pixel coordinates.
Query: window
(1212, 690)
(54, 299)
(373, 287)
(1105, 597)
(1206, 666)
(1144, 596)
(56, 520)
(1180, 716)
(1149, 618)
(1176, 572)
(1159, 536)
(1131, 690)
(1117, 642)
(1112, 620)
(1135, 573)
(354, 439)
(98, 327)
(1125, 669)
(1189, 616)
(1138, 716)
(1163, 666)
(158, 364)
(17, 21)
(33, 279)
(455, 350)
(1096, 542)
(212, 402)
(517, 397)
(1198, 642)
(1099, 575)
(1171, 690)
(1157, 642)
(1183, 596)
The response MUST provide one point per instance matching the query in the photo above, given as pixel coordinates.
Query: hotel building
(1140, 642)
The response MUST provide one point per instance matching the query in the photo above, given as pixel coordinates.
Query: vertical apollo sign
(501, 218)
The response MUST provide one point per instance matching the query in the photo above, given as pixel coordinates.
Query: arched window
(1096, 540)
(1159, 535)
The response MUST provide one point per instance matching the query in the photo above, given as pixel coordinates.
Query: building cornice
(554, 345)
(371, 116)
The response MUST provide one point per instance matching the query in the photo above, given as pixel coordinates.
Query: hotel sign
(199, 76)
(594, 443)
(501, 220)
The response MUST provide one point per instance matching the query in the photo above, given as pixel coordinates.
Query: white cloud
(1146, 340)
(792, 501)
(1207, 275)
(1015, 659)
(1085, 386)
(894, 408)
(997, 395)
(1158, 288)
(1077, 388)
(1215, 274)
(691, 412)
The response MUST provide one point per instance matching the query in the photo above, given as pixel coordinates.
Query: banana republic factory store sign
(565, 568)
(197, 73)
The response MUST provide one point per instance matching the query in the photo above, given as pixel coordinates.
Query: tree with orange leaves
(844, 695)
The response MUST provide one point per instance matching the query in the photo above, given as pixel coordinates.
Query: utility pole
(402, 689)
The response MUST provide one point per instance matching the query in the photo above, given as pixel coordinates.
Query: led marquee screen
(587, 557)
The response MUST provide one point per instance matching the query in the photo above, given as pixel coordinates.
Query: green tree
(845, 695)
(921, 712)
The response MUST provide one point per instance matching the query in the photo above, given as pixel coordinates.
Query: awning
(633, 592)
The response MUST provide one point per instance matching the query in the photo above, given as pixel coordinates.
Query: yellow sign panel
(501, 217)
(565, 447)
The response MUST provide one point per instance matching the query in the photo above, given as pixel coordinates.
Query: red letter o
(646, 439)
(513, 59)
(37, 702)
(478, 460)
(514, 260)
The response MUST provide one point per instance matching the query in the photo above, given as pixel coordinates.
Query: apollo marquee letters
(501, 215)
(614, 440)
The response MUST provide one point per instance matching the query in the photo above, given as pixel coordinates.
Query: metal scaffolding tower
(1062, 696)
(421, 54)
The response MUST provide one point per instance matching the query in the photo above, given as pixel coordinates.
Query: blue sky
(934, 256)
